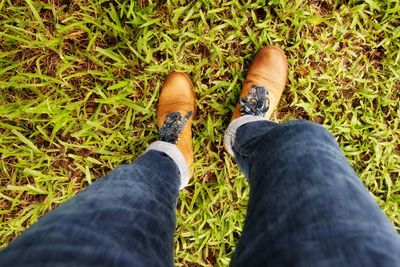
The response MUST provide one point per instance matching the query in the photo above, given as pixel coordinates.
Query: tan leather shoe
(269, 70)
(175, 112)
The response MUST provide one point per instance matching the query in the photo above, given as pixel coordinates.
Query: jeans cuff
(176, 155)
(230, 132)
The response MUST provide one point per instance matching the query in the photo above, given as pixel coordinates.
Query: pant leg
(307, 206)
(126, 218)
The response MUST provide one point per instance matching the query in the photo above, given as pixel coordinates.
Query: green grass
(79, 80)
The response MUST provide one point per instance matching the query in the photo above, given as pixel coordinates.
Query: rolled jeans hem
(230, 132)
(176, 155)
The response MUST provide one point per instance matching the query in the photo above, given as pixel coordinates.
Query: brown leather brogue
(268, 72)
(175, 112)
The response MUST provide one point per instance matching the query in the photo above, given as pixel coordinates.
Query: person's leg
(307, 206)
(126, 218)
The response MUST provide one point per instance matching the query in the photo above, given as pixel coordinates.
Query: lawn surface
(79, 81)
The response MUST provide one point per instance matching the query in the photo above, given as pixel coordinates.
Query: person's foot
(264, 84)
(175, 112)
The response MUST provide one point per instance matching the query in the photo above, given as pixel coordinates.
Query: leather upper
(270, 70)
(177, 95)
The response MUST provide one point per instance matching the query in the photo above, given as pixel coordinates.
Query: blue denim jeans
(307, 207)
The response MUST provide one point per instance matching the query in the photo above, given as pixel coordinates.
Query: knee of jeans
(301, 129)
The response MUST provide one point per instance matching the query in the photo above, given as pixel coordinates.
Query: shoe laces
(256, 102)
(172, 127)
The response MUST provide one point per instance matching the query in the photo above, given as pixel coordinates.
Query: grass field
(79, 80)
